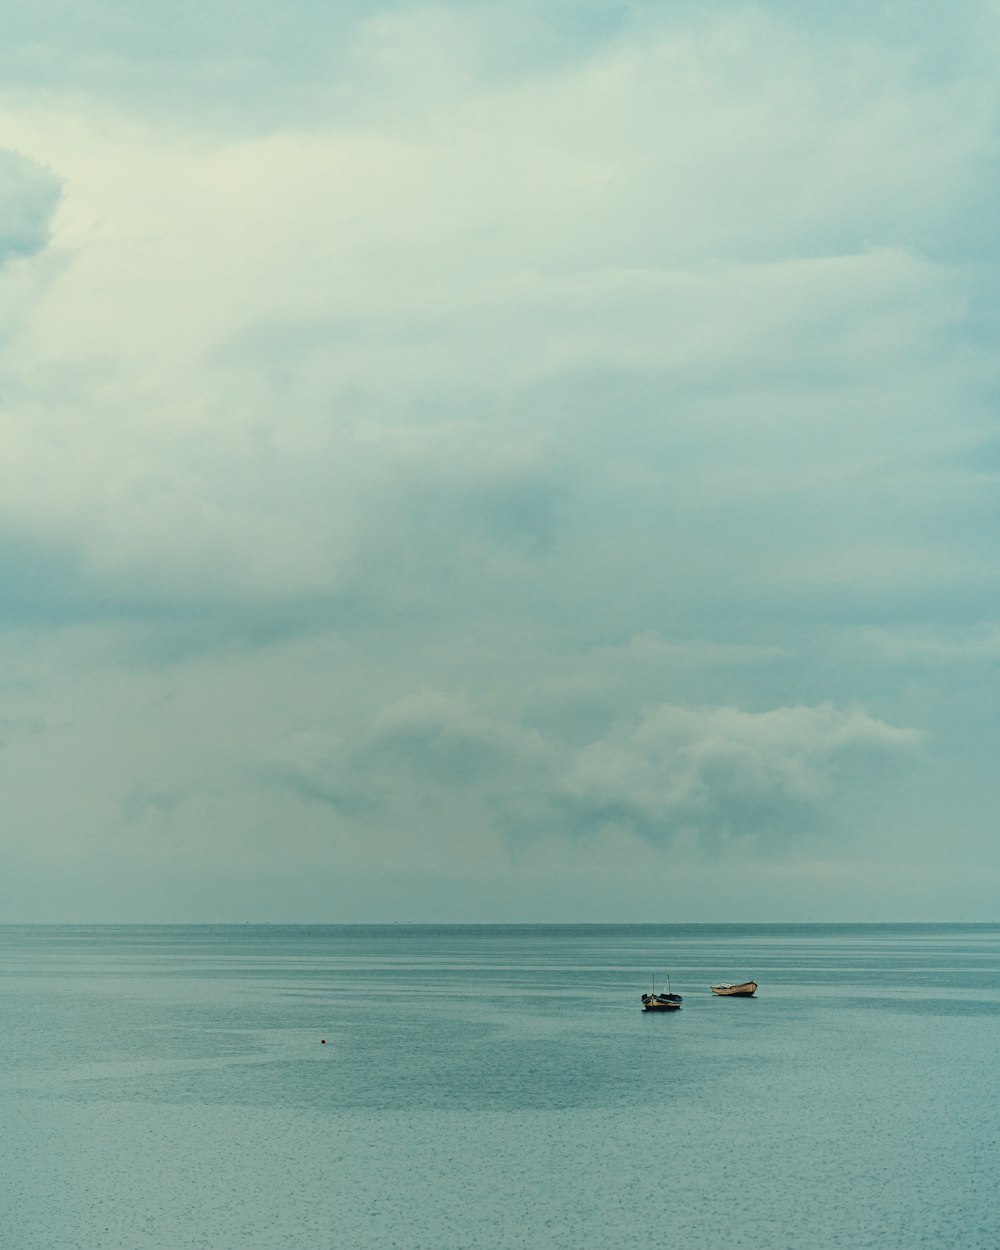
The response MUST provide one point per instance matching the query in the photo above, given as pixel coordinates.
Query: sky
(499, 462)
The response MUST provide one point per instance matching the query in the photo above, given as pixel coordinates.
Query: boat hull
(661, 1002)
(746, 989)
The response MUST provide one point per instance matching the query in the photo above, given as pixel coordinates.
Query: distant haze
(499, 461)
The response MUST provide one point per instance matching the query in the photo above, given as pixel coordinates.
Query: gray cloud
(712, 775)
(444, 367)
(482, 428)
(29, 194)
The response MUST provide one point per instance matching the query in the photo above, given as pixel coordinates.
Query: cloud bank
(505, 443)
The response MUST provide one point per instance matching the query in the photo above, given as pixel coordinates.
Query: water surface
(498, 1086)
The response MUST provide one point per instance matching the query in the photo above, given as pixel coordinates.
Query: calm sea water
(498, 1087)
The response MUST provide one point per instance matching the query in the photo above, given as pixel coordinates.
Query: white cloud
(675, 774)
(931, 647)
(725, 772)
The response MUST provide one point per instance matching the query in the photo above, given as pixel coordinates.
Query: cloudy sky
(524, 461)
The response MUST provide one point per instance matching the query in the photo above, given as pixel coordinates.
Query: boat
(729, 989)
(664, 1001)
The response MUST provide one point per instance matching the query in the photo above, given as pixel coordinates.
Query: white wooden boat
(730, 989)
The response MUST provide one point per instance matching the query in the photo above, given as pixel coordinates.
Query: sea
(452, 1087)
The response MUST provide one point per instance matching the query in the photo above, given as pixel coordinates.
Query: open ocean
(498, 1087)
